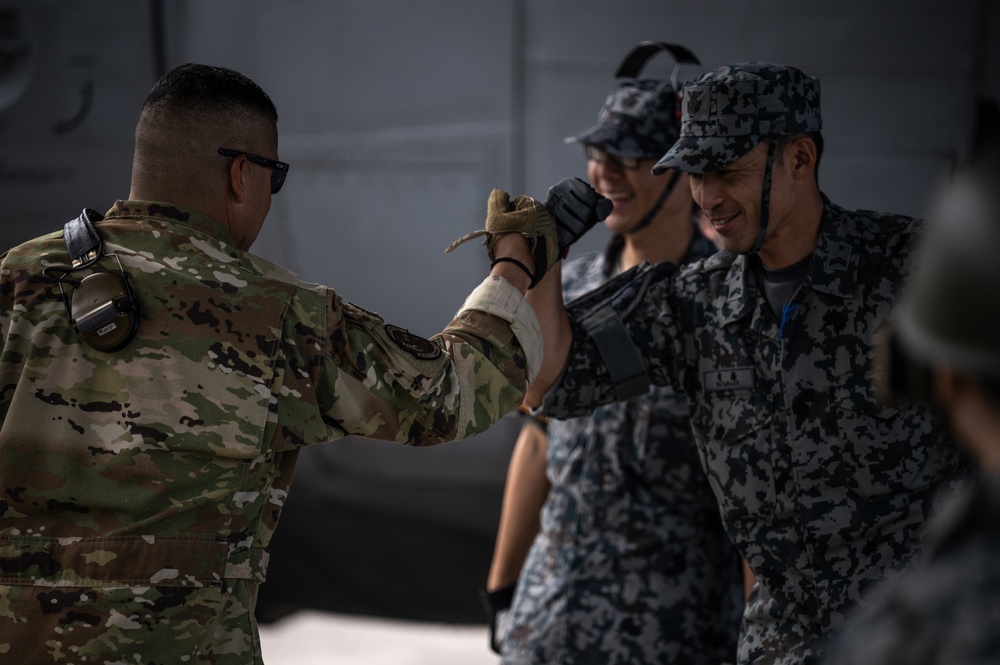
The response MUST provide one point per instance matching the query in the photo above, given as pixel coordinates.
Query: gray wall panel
(373, 218)
(66, 131)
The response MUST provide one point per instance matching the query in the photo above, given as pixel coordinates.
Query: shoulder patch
(416, 346)
(839, 257)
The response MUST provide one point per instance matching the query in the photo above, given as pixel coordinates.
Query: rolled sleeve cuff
(500, 298)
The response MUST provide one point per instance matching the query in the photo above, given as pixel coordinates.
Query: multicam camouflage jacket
(139, 489)
(823, 489)
(632, 564)
(946, 610)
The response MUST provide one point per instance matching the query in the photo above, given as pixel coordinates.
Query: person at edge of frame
(157, 381)
(944, 348)
(628, 560)
(823, 490)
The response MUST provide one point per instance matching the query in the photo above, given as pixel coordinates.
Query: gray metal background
(398, 117)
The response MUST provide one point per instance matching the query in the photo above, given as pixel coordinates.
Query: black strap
(510, 259)
(765, 196)
(82, 240)
(628, 372)
(655, 210)
(636, 59)
(602, 313)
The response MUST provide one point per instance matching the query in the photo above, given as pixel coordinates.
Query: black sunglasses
(597, 155)
(277, 175)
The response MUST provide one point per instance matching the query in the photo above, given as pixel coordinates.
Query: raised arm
(557, 334)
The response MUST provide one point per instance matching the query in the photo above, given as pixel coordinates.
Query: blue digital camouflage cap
(728, 111)
(640, 118)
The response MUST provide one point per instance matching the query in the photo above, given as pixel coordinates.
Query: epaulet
(888, 231)
(887, 222)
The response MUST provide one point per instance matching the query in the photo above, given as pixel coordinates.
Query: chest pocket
(733, 428)
(889, 451)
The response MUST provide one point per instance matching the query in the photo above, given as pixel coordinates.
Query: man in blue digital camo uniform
(945, 348)
(157, 381)
(630, 563)
(823, 490)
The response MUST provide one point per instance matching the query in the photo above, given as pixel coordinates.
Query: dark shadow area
(378, 529)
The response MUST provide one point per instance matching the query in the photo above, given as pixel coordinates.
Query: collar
(173, 215)
(833, 270)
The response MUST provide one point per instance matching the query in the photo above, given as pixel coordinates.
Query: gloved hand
(571, 208)
(497, 605)
(576, 207)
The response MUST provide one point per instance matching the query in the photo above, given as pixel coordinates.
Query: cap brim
(614, 140)
(701, 154)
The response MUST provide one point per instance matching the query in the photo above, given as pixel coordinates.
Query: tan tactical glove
(570, 210)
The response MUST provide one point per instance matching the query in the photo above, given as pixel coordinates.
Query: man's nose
(707, 191)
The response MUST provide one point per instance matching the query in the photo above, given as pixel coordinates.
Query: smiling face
(634, 192)
(730, 198)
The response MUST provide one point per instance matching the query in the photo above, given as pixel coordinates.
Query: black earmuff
(104, 312)
(102, 307)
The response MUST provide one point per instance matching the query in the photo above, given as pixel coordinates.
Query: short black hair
(204, 88)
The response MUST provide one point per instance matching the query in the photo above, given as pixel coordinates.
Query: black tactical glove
(497, 605)
(575, 207)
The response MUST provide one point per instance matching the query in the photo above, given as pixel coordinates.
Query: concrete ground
(318, 638)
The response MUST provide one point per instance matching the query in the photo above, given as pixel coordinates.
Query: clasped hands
(571, 208)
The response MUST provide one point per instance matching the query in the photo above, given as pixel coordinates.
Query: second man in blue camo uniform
(824, 490)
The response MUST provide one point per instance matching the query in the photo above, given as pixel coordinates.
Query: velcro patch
(734, 378)
(839, 257)
(696, 103)
(412, 344)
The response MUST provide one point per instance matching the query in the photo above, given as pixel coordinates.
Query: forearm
(525, 491)
(557, 335)
(513, 246)
(383, 382)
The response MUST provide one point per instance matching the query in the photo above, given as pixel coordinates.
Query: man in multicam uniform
(139, 488)
(822, 489)
(946, 610)
(630, 563)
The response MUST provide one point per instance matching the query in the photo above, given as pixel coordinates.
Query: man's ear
(802, 156)
(238, 173)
